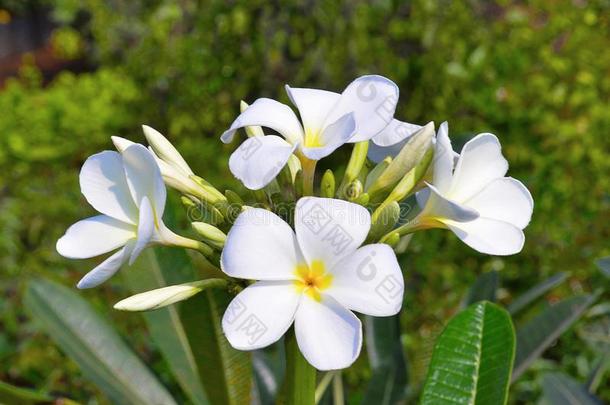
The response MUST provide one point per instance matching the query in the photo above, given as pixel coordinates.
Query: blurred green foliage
(536, 74)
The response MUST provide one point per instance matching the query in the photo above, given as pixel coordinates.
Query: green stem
(338, 397)
(354, 166)
(300, 375)
(309, 171)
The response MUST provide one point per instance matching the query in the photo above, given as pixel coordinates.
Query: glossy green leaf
(472, 359)
(539, 333)
(483, 289)
(387, 359)
(560, 389)
(159, 268)
(268, 375)
(536, 292)
(92, 343)
(226, 373)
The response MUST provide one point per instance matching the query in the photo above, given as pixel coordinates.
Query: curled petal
(271, 114)
(94, 236)
(395, 132)
(314, 105)
(103, 183)
(443, 159)
(504, 199)
(437, 206)
(480, 162)
(259, 159)
(146, 228)
(489, 236)
(144, 177)
(107, 268)
(333, 136)
(373, 100)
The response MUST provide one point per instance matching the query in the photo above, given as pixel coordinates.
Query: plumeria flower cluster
(302, 252)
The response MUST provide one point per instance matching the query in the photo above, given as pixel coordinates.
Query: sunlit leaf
(92, 343)
(389, 380)
(226, 373)
(560, 389)
(158, 268)
(472, 359)
(536, 292)
(483, 289)
(539, 333)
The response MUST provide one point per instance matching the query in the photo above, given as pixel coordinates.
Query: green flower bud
(210, 234)
(327, 186)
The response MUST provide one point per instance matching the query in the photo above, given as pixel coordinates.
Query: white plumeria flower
(128, 191)
(175, 171)
(314, 277)
(391, 140)
(486, 210)
(329, 120)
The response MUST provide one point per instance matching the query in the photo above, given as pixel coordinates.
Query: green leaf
(225, 372)
(560, 389)
(159, 268)
(536, 292)
(90, 340)
(539, 333)
(12, 395)
(483, 289)
(389, 380)
(268, 374)
(472, 359)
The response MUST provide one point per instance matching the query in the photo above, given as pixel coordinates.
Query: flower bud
(383, 219)
(353, 190)
(327, 187)
(408, 158)
(165, 296)
(210, 234)
(165, 150)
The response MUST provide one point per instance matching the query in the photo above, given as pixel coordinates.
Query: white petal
(504, 199)
(314, 106)
(395, 132)
(377, 153)
(259, 159)
(165, 150)
(94, 236)
(328, 229)
(489, 236)
(107, 268)
(443, 160)
(144, 177)
(480, 162)
(437, 206)
(260, 246)
(369, 281)
(146, 227)
(103, 183)
(259, 315)
(332, 137)
(121, 143)
(328, 334)
(373, 100)
(271, 114)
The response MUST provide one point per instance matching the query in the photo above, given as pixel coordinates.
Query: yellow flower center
(312, 139)
(312, 279)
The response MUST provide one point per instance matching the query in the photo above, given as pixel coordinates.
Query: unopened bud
(327, 187)
(210, 234)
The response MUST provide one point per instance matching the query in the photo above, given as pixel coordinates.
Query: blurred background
(536, 74)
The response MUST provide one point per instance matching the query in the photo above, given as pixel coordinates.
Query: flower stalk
(300, 375)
